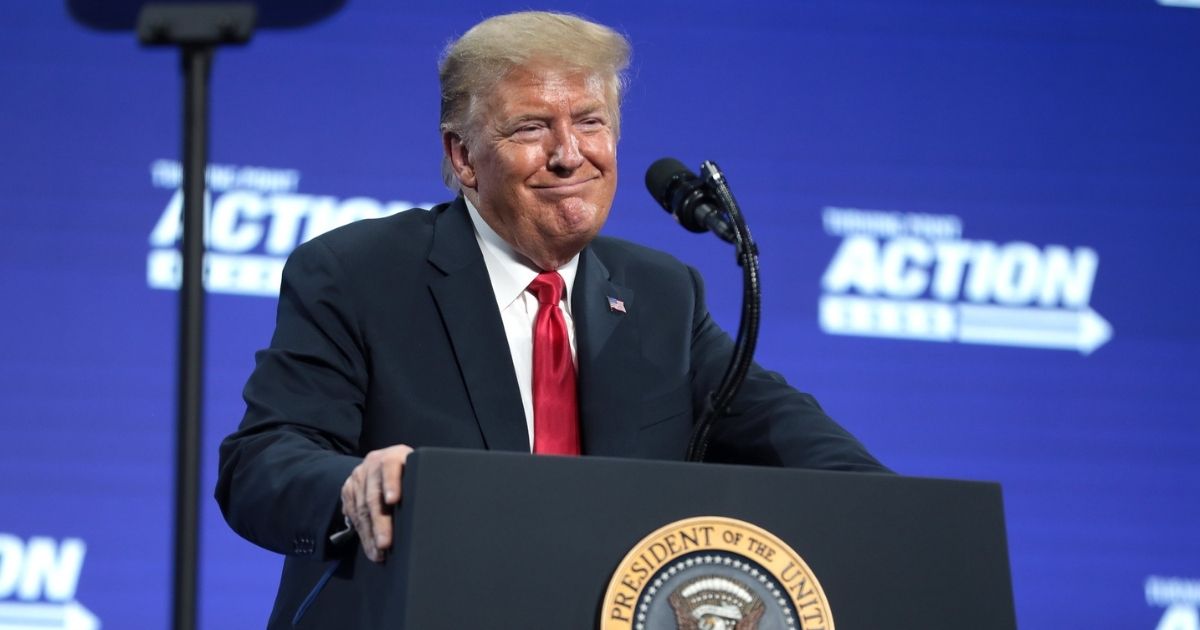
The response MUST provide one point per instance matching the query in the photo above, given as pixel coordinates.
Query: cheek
(600, 150)
(523, 162)
(506, 169)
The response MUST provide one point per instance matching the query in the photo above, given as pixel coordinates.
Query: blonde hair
(472, 65)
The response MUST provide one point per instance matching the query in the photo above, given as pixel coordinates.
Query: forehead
(540, 86)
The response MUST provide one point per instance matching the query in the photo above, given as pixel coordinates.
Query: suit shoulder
(369, 241)
(644, 268)
(617, 253)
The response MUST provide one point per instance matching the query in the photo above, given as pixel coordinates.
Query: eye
(528, 130)
(592, 123)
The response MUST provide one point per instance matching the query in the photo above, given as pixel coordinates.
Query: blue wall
(977, 224)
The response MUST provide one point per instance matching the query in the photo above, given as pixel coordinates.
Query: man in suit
(497, 321)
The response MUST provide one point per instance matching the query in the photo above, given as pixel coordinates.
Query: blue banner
(977, 221)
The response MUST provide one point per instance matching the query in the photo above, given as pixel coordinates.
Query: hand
(368, 495)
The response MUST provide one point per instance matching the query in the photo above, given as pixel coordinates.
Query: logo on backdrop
(1192, 4)
(913, 276)
(1181, 599)
(714, 573)
(255, 217)
(38, 578)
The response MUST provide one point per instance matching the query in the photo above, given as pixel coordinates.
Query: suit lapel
(467, 305)
(607, 348)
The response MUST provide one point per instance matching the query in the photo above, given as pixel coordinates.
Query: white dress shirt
(511, 274)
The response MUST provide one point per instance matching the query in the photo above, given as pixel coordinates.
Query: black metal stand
(747, 337)
(197, 30)
(197, 62)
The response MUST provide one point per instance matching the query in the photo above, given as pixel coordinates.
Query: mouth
(565, 188)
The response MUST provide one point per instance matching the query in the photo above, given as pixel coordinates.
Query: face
(541, 165)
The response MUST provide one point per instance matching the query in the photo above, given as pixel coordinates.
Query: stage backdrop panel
(977, 223)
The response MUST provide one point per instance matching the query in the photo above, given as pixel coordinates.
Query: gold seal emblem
(714, 573)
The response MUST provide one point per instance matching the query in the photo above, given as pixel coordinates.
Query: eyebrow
(590, 108)
(586, 110)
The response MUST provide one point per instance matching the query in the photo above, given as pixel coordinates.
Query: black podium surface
(508, 540)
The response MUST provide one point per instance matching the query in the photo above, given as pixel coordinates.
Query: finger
(362, 514)
(402, 452)
(390, 472)
(374, 509)
(348, 497)
(381, 512)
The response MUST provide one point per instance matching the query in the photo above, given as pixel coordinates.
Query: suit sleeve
(770, 421)
(281, 472)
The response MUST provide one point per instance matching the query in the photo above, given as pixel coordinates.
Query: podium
(501, 540)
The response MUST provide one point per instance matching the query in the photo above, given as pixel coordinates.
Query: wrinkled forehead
(553, 75)
(543, 83)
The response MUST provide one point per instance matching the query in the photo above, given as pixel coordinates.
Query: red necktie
(555, 416)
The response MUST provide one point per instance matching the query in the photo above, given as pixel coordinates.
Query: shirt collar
(509, 271)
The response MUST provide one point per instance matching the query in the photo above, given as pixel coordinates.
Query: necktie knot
(547, 287)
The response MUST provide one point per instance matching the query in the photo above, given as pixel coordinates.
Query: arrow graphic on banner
(1083, 330)
(40, 616)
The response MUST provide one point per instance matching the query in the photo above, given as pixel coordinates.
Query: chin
(578, 215)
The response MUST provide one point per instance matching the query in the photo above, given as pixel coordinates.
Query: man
(423, 329)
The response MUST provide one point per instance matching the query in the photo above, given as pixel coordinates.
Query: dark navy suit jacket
(388, 333)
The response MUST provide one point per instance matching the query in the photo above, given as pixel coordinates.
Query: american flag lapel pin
(615, 305)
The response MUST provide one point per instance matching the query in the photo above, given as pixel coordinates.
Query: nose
(565, 156)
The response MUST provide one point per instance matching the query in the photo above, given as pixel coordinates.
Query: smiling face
(541, 162)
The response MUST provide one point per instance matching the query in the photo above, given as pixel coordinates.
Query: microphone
(684, 195)
(701, 205)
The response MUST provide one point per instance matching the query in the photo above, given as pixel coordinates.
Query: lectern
(501, 540)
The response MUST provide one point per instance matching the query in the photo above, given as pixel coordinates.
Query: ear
(460, 158)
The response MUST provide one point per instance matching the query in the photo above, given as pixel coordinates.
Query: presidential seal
(714, 573)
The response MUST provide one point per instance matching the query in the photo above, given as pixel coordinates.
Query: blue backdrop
(977, 222)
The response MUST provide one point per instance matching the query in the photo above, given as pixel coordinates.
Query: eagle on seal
(715, 602)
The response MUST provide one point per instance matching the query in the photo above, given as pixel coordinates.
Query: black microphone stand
(717, 403)
(197, 29)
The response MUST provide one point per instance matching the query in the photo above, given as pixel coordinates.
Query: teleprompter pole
(197, 65)
(197, 29)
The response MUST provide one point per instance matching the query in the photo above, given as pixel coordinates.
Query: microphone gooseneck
(702, 204)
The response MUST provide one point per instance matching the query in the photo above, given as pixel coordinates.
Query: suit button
(302, 545)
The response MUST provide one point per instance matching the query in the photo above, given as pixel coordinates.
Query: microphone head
(687, 198)
(660, 178)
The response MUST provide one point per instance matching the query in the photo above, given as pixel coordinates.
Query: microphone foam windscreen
(659, 177)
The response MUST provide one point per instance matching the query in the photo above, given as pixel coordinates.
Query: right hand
(369, 494)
